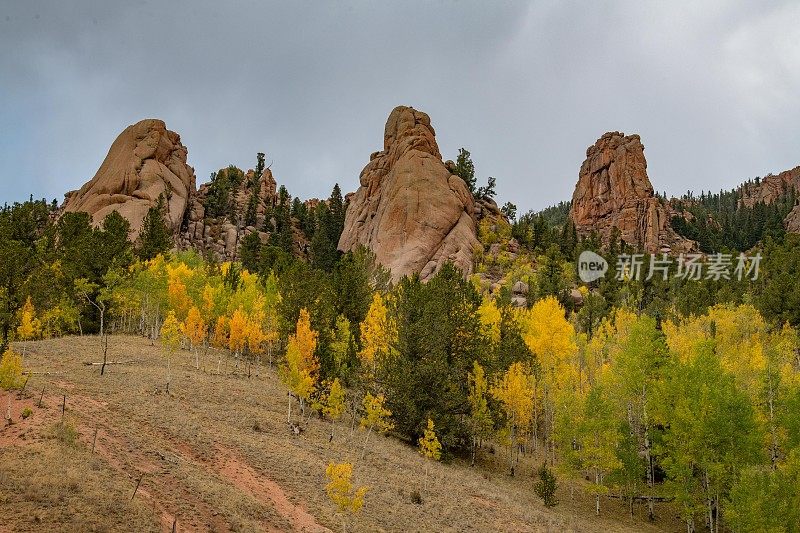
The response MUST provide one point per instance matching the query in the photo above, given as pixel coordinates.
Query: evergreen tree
(465, 169)
(155, 237)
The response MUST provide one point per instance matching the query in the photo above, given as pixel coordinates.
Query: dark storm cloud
(710, 86)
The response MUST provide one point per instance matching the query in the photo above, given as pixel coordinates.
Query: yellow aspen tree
(429, 446)
(376, 417)
(340, 346)
(334, 404)
(340, 490)
(209, 297)
(170, 341)
(10, 370)
(177, 296)
(378, 334)
(489, 315)
(255, 334)
(306, 339)
(237, 336)
(514, 390)
(480, 416)
(220, 339)
(551, 339)
(195, 329)
(29, 326)
(300, 371)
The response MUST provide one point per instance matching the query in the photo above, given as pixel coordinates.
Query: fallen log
(92, 363)
(657, 499)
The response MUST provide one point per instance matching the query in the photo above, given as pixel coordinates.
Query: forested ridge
(661, 392)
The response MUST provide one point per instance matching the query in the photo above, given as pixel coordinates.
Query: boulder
(144, 162)
(410, 210)
(520, 288)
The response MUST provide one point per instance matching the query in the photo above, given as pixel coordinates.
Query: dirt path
(264, 489)
(157, 486)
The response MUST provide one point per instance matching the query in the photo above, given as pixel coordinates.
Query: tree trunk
(105, 356)
(597, 480)
(364, 450)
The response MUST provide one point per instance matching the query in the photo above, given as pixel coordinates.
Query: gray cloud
(526, 87)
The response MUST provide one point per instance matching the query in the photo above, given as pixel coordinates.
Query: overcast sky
(712, 87)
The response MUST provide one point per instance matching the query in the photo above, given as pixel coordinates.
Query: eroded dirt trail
(152, 459)
(238, 472)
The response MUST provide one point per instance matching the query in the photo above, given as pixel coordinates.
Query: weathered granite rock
(410, 210)
(144, 162)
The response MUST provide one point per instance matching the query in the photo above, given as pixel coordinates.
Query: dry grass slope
(216, 455)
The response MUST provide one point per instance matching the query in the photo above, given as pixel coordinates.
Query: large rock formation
(145, 161)
(613, 191)
(410, 209)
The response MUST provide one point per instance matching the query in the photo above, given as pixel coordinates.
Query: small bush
(416, 497)
(65, 432)
(27, 412)
(545, 488)
(10, 370)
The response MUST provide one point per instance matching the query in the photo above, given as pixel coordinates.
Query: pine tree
(465, 169)
(546, 486)
(155, 237)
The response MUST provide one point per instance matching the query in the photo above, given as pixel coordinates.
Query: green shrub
(545, 488)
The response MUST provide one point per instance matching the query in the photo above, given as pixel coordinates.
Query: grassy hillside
(216, 454)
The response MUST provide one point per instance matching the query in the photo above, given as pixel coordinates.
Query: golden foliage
(194, 327)
(299, 373)
(171, 333)
(489, 315)
(376, 416)
(29, 326)
(10, 370)
(378, 334)
(514, 390)
(340, 488)
(551, 338)
(333, 405)
(429, 444)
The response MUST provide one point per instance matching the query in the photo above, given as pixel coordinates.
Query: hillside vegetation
(216, 454)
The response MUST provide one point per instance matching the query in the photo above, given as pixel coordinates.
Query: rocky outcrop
(144, 162)
(218, 230)
(410, 210)
(613, 191)
(770, 188)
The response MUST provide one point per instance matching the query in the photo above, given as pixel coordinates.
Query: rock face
(613, 191)
(771, 188)
(410, 210)
(145, 161)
